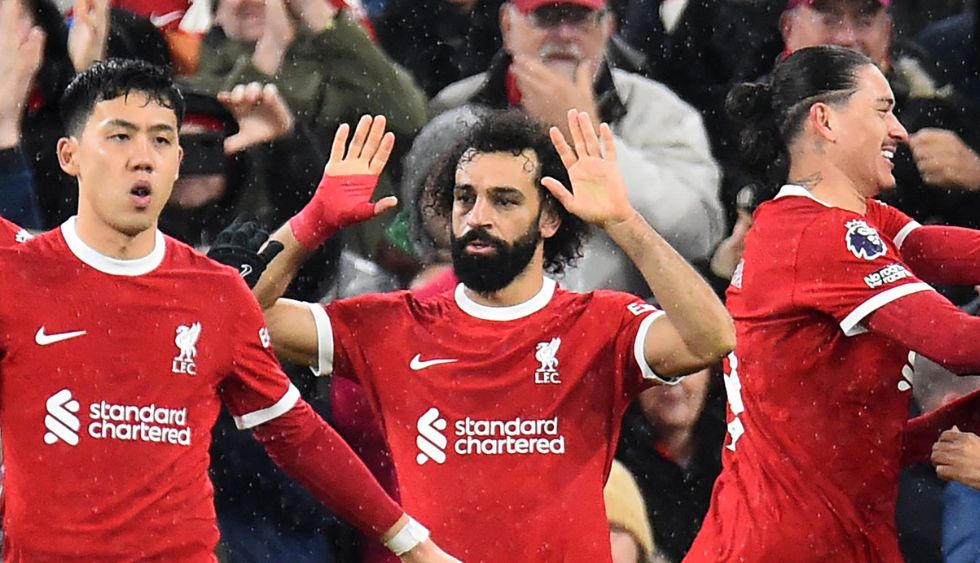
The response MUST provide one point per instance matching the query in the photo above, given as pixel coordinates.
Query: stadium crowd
(378, 141)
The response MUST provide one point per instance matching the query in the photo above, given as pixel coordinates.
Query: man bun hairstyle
(111, 78)
(771, 114)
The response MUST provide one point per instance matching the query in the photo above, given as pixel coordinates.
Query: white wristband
(407, 538)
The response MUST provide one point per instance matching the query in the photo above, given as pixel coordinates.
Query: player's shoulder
(184, 257)
(601, 302)
(374, 303)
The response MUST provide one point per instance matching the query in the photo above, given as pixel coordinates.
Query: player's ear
(822, 119)
(67, 150)
(549, 221)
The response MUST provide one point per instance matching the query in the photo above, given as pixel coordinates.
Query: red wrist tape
(339, 201)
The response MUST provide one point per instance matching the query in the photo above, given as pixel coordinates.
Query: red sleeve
(892, 223)
(944, 255)
(922, 431)
(846, 269)
(633, 318)
(315, 456)
(257, 390)
(932, 326)
(11, 233)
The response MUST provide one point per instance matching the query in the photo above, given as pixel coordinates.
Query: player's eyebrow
(507, 190)
(130, 126)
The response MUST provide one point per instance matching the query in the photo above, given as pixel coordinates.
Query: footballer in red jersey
(501, 400)
(115, 357)
(11, 233)
(828, 300)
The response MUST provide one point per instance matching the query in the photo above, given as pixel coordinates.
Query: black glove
(238, 246)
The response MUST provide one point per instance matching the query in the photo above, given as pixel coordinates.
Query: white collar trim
(797, 190)
(107, 264)
(511, 313)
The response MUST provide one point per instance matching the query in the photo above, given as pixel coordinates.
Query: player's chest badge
(547, 354)
(186, 342)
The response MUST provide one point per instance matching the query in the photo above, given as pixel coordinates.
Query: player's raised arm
(343, 198)
(697, 331)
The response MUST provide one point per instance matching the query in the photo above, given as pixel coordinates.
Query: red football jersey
(502, 422)
(816, 403)
(113, 374)
(11, 233)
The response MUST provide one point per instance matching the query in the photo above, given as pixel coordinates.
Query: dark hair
(772, 114)
(112, 78)
(513, 132)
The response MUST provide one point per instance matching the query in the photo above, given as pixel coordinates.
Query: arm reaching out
(342, 198)
(697, 331)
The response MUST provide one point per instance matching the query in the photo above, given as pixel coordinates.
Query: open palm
(598, 193)
(367, 152)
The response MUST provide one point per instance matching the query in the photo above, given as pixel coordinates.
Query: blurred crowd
(657, 71)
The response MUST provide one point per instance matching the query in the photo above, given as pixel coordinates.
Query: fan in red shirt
(829, 298)
(115, 357)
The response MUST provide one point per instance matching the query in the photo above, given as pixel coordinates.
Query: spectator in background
(671, 442)
(629, 527)
(436, 40)
(328, 71)
(21, 50)
(553, 61)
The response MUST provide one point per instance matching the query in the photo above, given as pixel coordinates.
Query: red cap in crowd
(794, 3)
(527, 6)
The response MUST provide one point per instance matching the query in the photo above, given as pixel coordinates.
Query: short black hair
(512, 131)
(111, 78)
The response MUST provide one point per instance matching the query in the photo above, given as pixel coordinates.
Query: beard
(493, 272)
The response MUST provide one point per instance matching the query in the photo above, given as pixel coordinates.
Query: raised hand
(261, 113)
(548, 95)
(278, 34)
(344, 194)
(21, 53)
(598, 193)
(89, 32)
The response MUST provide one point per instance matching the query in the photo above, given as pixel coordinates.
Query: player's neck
(678, 444)
(525, 286)
(828, 184)
(109, 242)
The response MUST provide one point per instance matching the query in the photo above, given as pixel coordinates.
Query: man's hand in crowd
(344, 195)
(239, 245)
(548, 95)
(21, 53)
(957, 457)
(598, 192)
(315, 15)
(89, 32)
(944, 160)
(261, 113)
(277, 35)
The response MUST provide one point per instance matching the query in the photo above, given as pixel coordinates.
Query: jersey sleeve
(257, 390)
(634, 318)
(891, 223)
(11, 234)
(343, 326)
(845, 268)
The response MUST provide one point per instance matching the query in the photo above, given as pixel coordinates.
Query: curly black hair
(514, 132)
(112, 78)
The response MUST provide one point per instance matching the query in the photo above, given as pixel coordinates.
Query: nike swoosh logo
(418, 363)
(164, 19)
(43, 339)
